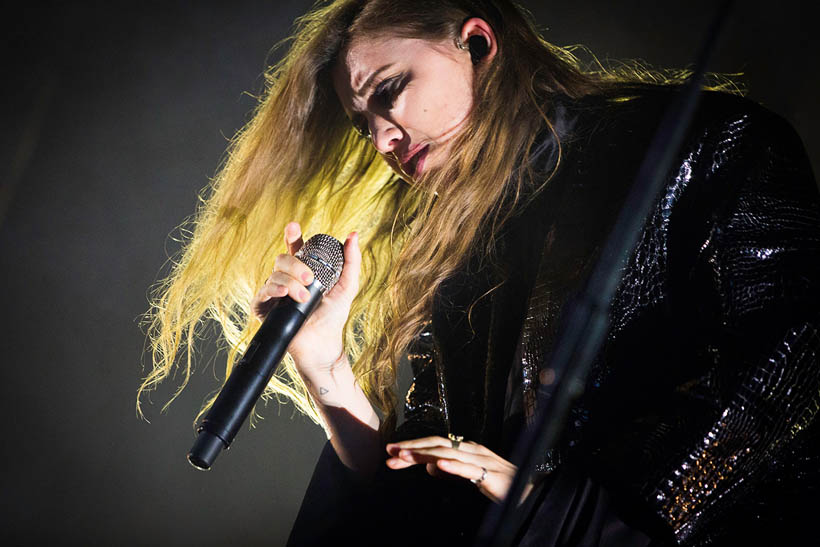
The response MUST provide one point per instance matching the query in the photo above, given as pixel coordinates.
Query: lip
(420, 151)
(412, 152)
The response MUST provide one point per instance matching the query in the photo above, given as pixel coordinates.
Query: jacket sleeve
(425, 410)
(760, 267)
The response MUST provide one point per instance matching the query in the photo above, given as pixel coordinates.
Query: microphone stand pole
(585, 323)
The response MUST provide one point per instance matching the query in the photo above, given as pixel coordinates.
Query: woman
(490, 172)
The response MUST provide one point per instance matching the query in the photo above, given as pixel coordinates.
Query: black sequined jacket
(703, 402)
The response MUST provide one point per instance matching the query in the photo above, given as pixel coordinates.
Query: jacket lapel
(476, 354)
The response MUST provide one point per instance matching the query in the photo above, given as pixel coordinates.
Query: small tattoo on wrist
(323, 391)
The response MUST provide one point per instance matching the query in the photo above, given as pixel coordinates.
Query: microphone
(324, 255)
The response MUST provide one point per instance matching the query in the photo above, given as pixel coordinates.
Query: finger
(398, 463)
(293, 267)
(423, 455)
(494, 485)
(421, 442)
(348, 284)
(433, 470)
(261, 304)
(428, 442)
(435, 441)
(295, 289)
(462, 469)
(475, 448)
(271, 290)
(293, 237)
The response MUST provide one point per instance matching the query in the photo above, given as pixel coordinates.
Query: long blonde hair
(299, 159)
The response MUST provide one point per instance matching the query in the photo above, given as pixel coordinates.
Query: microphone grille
(324, 255)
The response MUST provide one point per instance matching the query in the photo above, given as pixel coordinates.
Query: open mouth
(414, 165)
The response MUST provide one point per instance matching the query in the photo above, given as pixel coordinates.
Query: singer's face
(410, 96)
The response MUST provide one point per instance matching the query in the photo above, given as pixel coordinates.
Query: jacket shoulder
(641, 108)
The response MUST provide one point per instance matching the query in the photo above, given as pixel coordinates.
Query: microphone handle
(249, 377)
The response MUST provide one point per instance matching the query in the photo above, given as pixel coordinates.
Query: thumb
(348, 284)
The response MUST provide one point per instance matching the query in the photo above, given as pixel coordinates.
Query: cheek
(439, 111)
(455, 99)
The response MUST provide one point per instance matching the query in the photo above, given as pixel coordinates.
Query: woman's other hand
(319, 343)
(469, 461)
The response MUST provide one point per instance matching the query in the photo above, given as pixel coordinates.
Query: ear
(479, 35)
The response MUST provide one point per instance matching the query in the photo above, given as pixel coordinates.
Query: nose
(385, 134)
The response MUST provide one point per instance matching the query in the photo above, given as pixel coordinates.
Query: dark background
(113, 120)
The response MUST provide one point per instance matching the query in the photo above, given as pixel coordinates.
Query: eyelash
(387, 91)
(385, 94)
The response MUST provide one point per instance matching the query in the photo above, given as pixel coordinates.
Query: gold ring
(455, 440)
(483, 476)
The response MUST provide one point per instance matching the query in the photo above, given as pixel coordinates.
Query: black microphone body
(257, 366)
(249, 377)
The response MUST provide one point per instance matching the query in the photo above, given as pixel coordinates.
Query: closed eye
(383, 98)
(388, 91)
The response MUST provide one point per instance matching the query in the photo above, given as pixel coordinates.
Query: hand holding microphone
(295, 317)
(319, 342)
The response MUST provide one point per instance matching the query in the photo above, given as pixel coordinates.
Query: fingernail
(303, 295)
(306, 277)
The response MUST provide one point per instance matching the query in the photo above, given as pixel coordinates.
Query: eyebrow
(369, 81)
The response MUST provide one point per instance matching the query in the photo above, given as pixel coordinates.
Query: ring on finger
(455, 440)
(480, 479)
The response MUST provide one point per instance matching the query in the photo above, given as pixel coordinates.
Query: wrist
(330, 381)
(321, 370)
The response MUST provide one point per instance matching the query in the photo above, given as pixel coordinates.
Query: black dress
(698, 424)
